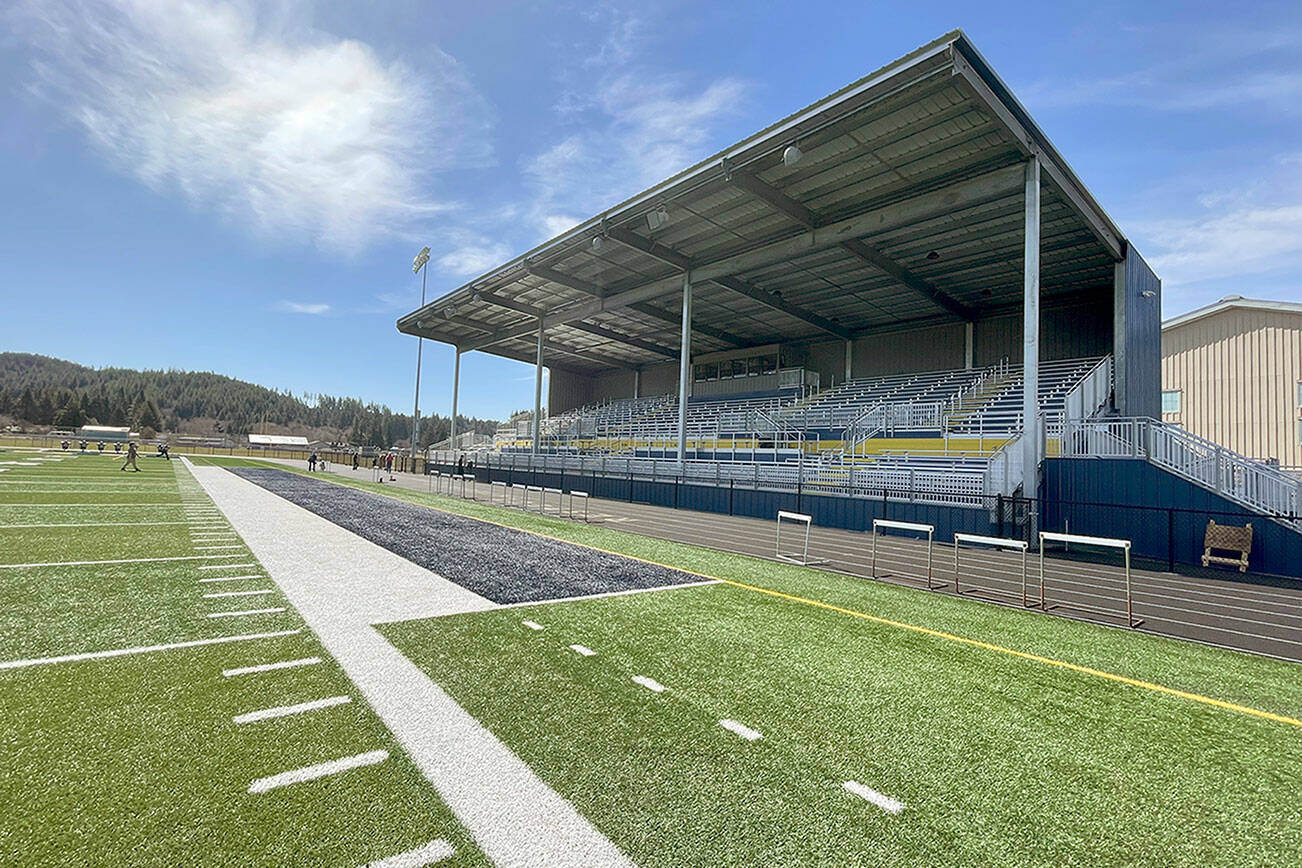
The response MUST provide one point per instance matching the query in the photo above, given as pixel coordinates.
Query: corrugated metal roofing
(905, 207)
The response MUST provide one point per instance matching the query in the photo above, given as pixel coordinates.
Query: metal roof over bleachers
(904, 208)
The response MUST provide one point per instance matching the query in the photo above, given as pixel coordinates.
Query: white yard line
(287, 710)
(270, 667)
(532, 625)
(123, 561)
(95, 523)
(236, 614)
(426, 854)
(342, 584)
(215, 548)
(233, 578)
(220, 594)
(881, 800)
(226, 566)
(320, 770)
(741, 729)
(649, 683)
(583, 651)
(144, 649)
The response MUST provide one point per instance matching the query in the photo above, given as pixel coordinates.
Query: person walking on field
(354, 461)
(131, 457)
(311, 462)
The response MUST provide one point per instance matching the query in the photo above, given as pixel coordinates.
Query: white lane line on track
(226, 566)
(287, 710)
(124, 561)
(270, 667)
(144, 649)
(219, 594)
(649, 683)
(583, 651)
(741, 729)
(532, 625)
(320, 770)
(232, 578)
(426, 854)
(881, 800)
(273, 611)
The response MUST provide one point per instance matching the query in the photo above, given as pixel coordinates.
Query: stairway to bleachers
(996, 408)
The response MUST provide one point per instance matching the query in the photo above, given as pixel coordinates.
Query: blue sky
(241, 187)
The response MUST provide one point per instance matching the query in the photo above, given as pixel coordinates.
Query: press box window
(1170, 402)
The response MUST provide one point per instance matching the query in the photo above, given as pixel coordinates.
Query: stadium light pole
(418, 267)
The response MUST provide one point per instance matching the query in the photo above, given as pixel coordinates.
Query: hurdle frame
(560, 497)
(804, 559)
(493, 486)
(994, 542)
(586, 498)
(917, 527)
(1101, 542)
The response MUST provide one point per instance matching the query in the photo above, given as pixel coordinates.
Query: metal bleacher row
(965, 402)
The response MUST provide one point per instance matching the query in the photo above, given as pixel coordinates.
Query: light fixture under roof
(791, 155)
(597, 243)
(657, 218)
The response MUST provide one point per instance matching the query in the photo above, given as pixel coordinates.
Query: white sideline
(341, 584)
(881, 800)
(144, 649)
(426, 854)
(741, 729)
(96, 523)
(124, 561)
(274, 611)
(649, 683)
(623, 593)
(320, 770)
(270, 667)
(583, 651)
(218, 594)
(287, 710)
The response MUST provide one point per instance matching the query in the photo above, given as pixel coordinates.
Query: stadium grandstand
(901, 292)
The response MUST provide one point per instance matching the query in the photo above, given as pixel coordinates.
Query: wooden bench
(1227, 538)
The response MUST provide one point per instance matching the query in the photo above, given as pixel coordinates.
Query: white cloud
(474, 259)
(313, 308)
(288, 132)
(639, 129)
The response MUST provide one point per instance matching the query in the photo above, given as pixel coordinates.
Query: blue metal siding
(1139, 357)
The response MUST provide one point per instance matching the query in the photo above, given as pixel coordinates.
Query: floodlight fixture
(598, 242)
(791, 155)
(657, 218)
(420, 260)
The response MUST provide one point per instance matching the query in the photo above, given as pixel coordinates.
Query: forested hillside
(43, 391)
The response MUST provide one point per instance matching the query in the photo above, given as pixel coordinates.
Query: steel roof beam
(774, 198)
(627, 340)
(707, 330)
(922, 286)
(651, 248)
(566, 280)
(778, 303)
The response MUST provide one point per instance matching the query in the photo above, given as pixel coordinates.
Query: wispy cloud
(292, 133)
(309, 307)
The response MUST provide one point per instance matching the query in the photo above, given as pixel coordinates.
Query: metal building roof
(1231, 302)
(904, 209)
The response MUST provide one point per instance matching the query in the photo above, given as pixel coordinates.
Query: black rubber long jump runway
(501, 564)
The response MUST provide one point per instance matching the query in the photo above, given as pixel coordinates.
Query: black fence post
(730, 489)
(999, 506)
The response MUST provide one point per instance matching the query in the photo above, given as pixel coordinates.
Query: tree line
(41, 391)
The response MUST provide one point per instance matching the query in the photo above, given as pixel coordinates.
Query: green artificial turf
(1000, 760)
(135, 760)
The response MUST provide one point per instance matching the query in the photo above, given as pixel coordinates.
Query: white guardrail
(1248, 482)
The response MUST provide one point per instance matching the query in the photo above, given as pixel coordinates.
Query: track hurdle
(492, 496)
(560, 498)
(803, 559)
(916, 527)
(1102, 542)
(991, 542)
(473, 482)
(584, 495)
(530, 489)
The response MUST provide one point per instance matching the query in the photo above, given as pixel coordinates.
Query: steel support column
(849, 361)
(684, 366)
(537, 392)
(1032, 448)
(456, 387)
(969, 345)
(637, 383)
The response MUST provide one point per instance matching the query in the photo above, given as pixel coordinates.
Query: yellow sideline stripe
(926, 631)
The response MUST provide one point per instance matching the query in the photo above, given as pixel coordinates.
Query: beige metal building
(1232, 373)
